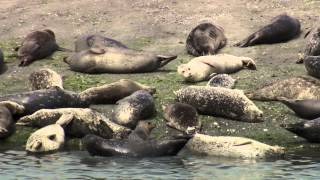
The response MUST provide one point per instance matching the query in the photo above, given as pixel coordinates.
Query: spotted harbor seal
(181, 116)
(205, 39)
(84, 121)
(134, 146)
(37, 45)
(203, 67)
(116, 60)
(306, 129)
(219, 101)
(129, 110)
(312, 47)
(222, 80)
(312, 65)
(307, 108)
(232, 147)
(282, 28)
(87, 41)
(301, 87)
(44, 79)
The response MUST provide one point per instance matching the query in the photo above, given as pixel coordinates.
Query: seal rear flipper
(165, 59)
(246, 42)
(65, 119)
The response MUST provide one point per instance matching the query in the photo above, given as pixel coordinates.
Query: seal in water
(312, 47)
(134, 146)
(116, 60)
(219, 101)
(131, 109)
(203, 67)
(307, 108)
(37, 45)
(44, 79)
(282, 28)
(181, 116)
(312, 65)
(87, 41)
(301, 87)
(306, 129)
(83, 122)
(222, 80)
(205, 39)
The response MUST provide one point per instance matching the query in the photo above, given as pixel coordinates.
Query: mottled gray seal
(301, 87)
(116, 60)
(142, 131)
(312, 65)
(129, 110)
(282, 28)
(205, 39)
(44, 79)
(203, 67)
(222, 80)
(87, 41)
(181, 116)
(7, 123)
(312, 47)
(306, 129)
(307, 108)
(37, 45)
(219, 101)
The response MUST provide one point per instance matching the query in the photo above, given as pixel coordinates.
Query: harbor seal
(129, 110)
(44, 79)
(87, 41)
(222, 80)
(2, 64)
(219, 101)
(142, 131)
(312, 47)
(301, 87)
(281, 29)
(181, 116)
(232, 147)
(116, 60)
(203, 67)
(306, 129)
(312, 65)
(7, 124)
(307, 108)
(37, 45)
(205, 39)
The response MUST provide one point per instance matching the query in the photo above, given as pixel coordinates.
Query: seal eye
(52, 137)
(188, 69)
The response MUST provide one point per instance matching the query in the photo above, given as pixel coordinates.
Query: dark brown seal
(205, 39)
(2, 65)
(307, 109)
(282, 28)
(37, 45)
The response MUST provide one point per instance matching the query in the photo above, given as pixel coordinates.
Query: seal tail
(246, 42)
(63, 49)
(165, 59)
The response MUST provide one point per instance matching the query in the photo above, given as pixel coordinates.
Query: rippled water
(80, 165)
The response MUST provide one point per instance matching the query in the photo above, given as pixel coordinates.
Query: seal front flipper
(97, 50)
(25, 52)
(14, 107)
(165, 59)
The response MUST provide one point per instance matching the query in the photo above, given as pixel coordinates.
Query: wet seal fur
(232, 147)
(181, 116)
(301, 87)
(222, 80)
(203, 67)
(129, 110)
(135, 146)
(306, 129)
(83, 121)
(88, 41)
(307, 108)
(37, 45)
(312, 47)
(44, 79)
(312, 65)
(219, 101)
(281, 29)
(205, 39)
(116, 60)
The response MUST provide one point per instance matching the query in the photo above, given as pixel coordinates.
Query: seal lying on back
(307, 108)
(116, 60)
(134, 146)
(37, 45)
(282, 28)
(306, 129)
(312, 47)
(85, 42)
(203, 67)
(205, 39)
